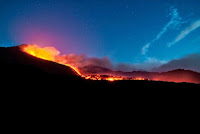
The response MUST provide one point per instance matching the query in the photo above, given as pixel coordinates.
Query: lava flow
(51, 54)
(46, 53)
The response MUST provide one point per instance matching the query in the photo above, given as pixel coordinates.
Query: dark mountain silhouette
(37, 91)
(24, 71)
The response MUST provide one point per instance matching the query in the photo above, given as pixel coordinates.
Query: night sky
(125, 31)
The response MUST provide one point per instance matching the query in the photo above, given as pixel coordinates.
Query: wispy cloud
(185, 32)
(147, 65)
(145, 48)
(174, 22)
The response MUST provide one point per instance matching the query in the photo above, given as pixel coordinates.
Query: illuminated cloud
(174, 22)
(185, 32)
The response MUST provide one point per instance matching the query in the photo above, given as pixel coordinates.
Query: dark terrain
(22, 70)
(42, 95)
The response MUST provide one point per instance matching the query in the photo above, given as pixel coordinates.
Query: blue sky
(125, 31)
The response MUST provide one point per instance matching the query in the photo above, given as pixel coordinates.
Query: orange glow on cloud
(46, 53)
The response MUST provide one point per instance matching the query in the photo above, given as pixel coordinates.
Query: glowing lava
(114, 78)
(51, 54)
(46, 53)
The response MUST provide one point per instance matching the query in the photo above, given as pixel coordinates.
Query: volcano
(25, 69)
(15, 62)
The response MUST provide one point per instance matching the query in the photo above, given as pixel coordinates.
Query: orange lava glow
(139, 78)
(113, 78)
(51, 54)
(46, 53)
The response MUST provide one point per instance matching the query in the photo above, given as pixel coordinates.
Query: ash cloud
(190, 62)
(83, 60)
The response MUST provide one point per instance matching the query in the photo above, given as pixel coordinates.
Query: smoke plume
(83, 60)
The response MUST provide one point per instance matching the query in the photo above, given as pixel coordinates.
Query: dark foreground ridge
(38, 94)
(27, 71)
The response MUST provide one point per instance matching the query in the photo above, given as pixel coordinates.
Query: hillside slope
(24, 71)
(16, 61)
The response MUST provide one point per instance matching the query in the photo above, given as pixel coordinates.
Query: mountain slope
(19, 70)
(16, 61)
